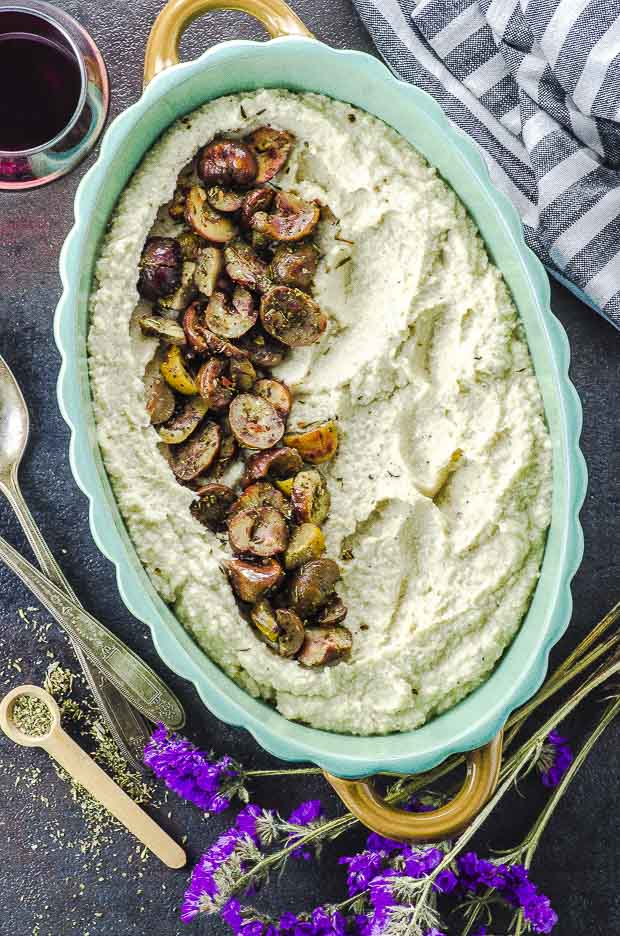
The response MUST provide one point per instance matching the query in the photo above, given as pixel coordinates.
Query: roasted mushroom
(251, 581)
(242, 375)
(224, 199)
(259, 199)
(218, 345)
(310, 497)
(175, 373)
(193, 326)
(290, 219)
(255, 422)
(231, 316)
(334, 612)
(274, 463)
(228, 163)
(182, 424)
(263, 618)
(292, 317)
(276, 393)
(262, 349)
(205, 221)
(294, 265)
(261, 494)
(211, 380)
(209, 266)
(324, 646)
(306, 543)
(160, 268)
(213, 505)
(291, 632)
(183, 295)
(196, 456)
(272, 148)
(260, 531)
(245, 267)
(157, 326)
(160, 401)
(317, 444)
(312, 585)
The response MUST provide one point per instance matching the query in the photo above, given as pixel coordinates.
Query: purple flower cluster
(188, 771)
(514, 886)
(321, 922)
(306, 814)
(203, 885)
(555, 759)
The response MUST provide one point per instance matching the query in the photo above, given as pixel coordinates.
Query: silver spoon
(126, 725)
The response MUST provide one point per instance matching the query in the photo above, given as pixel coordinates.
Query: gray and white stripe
(537, 84)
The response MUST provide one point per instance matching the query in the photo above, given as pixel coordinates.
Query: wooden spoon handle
(87, 773)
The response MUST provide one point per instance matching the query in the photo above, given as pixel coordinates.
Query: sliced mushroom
(306, 543)
(160, 401)
(176, 374)
(259, 199)
(213, 506)
(312, 585)
(183, 423)
(276, 393)
(291, 218)
(160, 268)
(205, 220)
(191, 245)
(193, 326)
(181, 297)
(210, 264)
(263, 618)
(310, 497)
(228, 163)
(245, 267)
(317, 444)
(261, 531)
(223, 199)
(165, 329)
(211, 381)
(218, 345)
(294, 265)
(292, 632)
(255, 422)
(292, 317)
(325, 646)
(262, 349)
(249, 580)
(196, 456)
(261, 494)
(272, 148)
(242, 374)
(274, 463)
(334, 612)
(231, 317)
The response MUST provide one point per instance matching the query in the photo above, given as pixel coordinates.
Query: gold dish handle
(481, 780)
(162, 49)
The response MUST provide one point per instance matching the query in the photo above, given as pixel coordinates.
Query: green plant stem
(288, 772)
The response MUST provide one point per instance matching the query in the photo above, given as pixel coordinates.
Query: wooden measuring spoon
(86, 772)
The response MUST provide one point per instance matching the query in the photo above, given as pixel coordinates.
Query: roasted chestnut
(183, 294)
(212, 384)
(259, 199)
(272, 148)
(262, 349)
(176, 374)
(261, 531)
(196, 456)
(294, 265)
(306, 543)
(276, 393)
(292, 317)
(251, 581)
(160, 401)
(209, 266)
(224, 199)
(317, 444)
(261, 494)
(290, 219)
(313, 584)
(205, 221)
(213, 506)
(274, 463)
(157, 326)
(160, 268)
(310, 497)
(255, 422)
(228, 163)
(291, 632)
(245, 267)
(324, 646)
(231, 316)
(182, 424)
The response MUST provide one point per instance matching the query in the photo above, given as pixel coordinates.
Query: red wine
(40, 86)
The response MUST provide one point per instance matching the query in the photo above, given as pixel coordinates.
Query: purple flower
(475, 872)
(446, 881)
(362, 868)
(482, 931)
(519, 891)
(434, 932)
(420, 863)
(555, 759)
(188, 771)
(306, 813)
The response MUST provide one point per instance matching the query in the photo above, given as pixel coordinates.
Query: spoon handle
(124, 668)
(127, 726)
(86, 772)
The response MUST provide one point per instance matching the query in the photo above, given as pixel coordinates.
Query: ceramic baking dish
(293, 59)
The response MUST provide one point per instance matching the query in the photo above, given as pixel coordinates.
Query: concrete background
(48, 887)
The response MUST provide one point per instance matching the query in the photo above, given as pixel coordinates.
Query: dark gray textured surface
(53, 886)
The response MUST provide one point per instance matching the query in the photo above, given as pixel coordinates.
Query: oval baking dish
(299, 62)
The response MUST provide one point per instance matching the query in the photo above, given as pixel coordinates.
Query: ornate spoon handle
(125, 670)
(126, 724)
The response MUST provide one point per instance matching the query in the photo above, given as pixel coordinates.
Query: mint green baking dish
(304, 64)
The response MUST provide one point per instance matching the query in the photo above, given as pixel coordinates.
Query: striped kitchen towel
(537, 84)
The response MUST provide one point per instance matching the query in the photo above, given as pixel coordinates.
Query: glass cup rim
(39, 10)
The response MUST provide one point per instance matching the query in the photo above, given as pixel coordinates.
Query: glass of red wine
(54, 93)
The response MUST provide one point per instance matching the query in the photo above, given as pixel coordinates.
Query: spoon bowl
(11, 729)
(14, 422)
